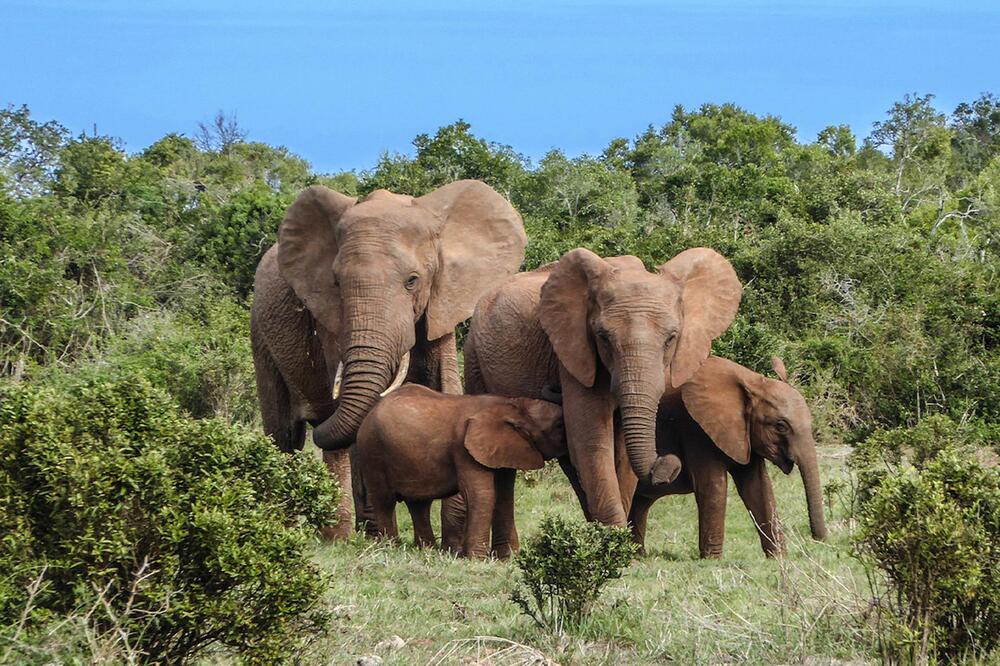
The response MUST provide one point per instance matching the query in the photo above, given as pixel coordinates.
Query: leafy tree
(29, 152)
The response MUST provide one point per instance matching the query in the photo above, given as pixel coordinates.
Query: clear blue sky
(339, 82)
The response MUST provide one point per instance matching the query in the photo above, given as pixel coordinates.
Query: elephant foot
(335, 532)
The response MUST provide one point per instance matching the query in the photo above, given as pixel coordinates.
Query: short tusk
(337, 379)
(404, 366)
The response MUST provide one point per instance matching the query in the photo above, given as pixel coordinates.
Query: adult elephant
(607, 331)
(729, 420)
(362, 295)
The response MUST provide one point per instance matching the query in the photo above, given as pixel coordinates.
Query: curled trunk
(368, 370)
(638, 400)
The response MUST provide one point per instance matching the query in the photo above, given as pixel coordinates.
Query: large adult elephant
(726, 422)
(607, 331)
(365, 294)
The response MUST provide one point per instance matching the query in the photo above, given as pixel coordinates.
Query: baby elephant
(727, 420)
(418, 445)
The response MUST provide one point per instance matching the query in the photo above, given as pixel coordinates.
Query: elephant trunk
(638, 400)
(369, 365)
(809, 469)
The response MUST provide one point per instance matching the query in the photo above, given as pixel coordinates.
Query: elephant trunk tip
(325, 438)
(664, 470)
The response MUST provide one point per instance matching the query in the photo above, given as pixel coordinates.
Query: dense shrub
(189, 535)
(928, 509)
(564, 567)
(201, 356)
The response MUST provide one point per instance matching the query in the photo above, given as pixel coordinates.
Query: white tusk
(404, 365)
(337, 379)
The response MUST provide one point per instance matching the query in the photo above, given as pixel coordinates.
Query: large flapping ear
(481, 242)
(490, 438)
(718, 400)
(710, 296)
(564, 309)
(307, 246)
(779, 368)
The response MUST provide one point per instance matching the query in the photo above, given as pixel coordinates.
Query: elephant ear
(710, 296)
(564, 308)
(481, 242)
(307, 246)
(492, 440)
(779, 368)
(718, 401)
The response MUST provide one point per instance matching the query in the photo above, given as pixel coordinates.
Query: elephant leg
(588, 415)
(505, 541)
(637, 517)
(277, 413)
(338, 464)
(364, 514)
(627, 480)
(452, 523)
(384, 510)
(754, 486)
(477, 486)
(574, 481)
(420, 512)
(710, 489)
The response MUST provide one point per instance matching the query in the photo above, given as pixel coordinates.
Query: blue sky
(340, 82)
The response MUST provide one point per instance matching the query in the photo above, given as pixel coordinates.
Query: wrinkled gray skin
(611, 334)
(363, 284)
(725, 422)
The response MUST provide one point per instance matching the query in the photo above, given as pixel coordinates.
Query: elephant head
(640, 327)
(742, 411)
(520, 433)
(373, 270)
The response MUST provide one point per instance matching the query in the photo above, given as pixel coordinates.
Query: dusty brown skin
(362, 284)
(729, 419)
(611, 334)
(418, 445)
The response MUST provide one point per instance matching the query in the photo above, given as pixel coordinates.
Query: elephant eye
(781, 426)
(411, 281)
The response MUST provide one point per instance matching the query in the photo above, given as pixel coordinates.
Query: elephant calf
(419, 445)
(729, 419)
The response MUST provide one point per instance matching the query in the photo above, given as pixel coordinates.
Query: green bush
(928, 511)
(188, 535)
(201, 357)
(564, 567)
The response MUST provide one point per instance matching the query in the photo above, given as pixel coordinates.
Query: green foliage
(564, 567)
(200, 356)
(453, 153)
(190, 535)
(29, 152)
(928, 508)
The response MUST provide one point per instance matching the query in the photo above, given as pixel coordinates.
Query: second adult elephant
(606, 331)
(370, 291)
(726, 422)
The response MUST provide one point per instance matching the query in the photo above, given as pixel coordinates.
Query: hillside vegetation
(871, 265)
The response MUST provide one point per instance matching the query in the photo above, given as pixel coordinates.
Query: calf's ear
(492, 440)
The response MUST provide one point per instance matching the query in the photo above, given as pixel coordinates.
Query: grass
(669, 607)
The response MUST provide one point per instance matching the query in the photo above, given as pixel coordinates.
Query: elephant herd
(596, 362)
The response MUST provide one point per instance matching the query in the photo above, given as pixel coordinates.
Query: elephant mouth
(785, 464)
(397, 381)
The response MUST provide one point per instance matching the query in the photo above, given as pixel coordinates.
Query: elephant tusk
(404, 366)
(337, 380)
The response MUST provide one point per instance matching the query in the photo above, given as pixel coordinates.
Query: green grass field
(669, 607)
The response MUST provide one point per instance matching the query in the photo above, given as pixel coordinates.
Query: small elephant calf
(418, 445)
(726, 421)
